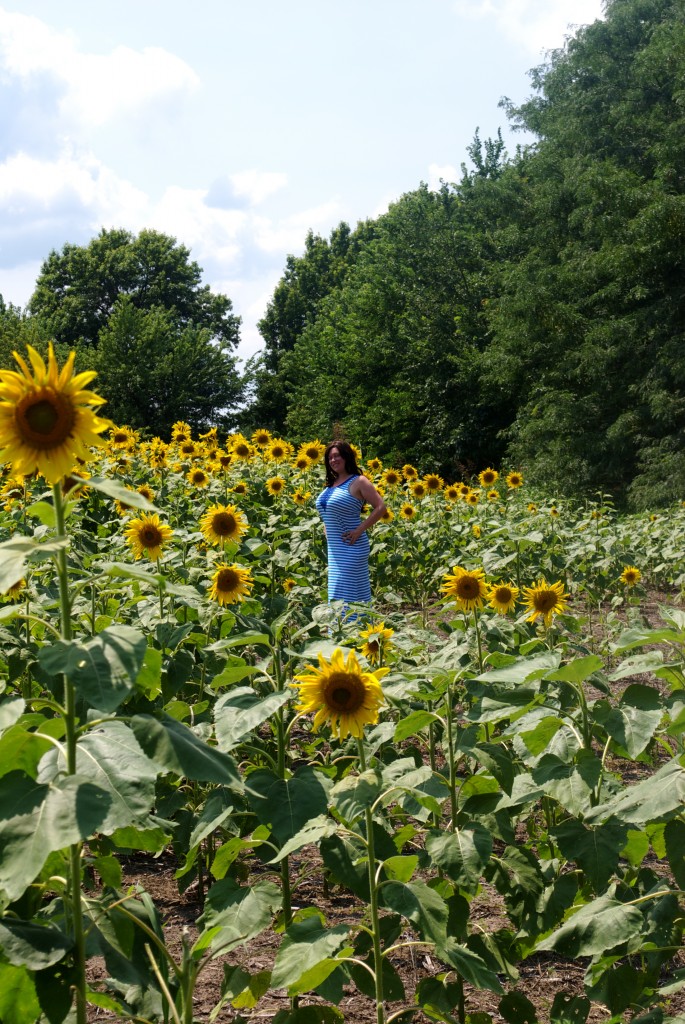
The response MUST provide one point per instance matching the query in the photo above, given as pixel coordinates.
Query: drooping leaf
(461, 854)
(26, 944)
(420, 905)
(595, 850)
(312, 832)
(655, 797)
(305, 944)
(240, 711)
(15, 553)
(175, 748)
(353, 794)
(234, 914)
(598, 927)
(286, 806)
(35, 820)
(103, 669)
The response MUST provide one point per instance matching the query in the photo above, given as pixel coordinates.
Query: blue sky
(237, 126)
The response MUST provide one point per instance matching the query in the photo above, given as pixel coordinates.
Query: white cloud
(17, 283)
(287, 235)
(96, 87)
(257, 186)
(537, 25)
(441, 172)
(30, 186)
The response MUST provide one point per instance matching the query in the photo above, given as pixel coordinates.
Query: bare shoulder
(363, 489)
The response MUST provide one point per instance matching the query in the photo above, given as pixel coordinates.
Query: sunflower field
(371, 814)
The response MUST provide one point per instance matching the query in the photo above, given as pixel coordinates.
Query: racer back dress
(348, 564)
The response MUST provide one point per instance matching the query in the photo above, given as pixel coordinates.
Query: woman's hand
(352, 536)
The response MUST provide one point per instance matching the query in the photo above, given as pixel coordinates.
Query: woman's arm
(366, 492)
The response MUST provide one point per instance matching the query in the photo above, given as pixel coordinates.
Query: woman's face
(336, 461)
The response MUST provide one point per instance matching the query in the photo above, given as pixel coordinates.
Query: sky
(238, 125)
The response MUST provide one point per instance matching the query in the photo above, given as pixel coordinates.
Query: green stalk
(453, 765)
(70, 742)
(373, 901)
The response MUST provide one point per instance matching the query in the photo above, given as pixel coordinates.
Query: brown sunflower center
(242, 450)
(545, 601)
(227, 580)
(344, 692)
(468, 588)
(150, 536)
(503, 595)
(224, 524)
(276, 485)
(45, 418)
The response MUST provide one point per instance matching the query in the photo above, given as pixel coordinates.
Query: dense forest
(530, 314)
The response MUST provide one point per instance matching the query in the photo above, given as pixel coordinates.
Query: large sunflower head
(465, 586)
(514, 480)
(502, 597)
(197, 477)
(433, 482)
(630, 575)
(181, 431)
(488, 477)
(230, 584)
(545, 600)
(279, 450)
(46, 417)
(343, 695)
(451, 493)
(301, 497)
(418, 489)
(407, 511)
(312, 451)
(261, 438)
(241, 448)
(409, 472)
(275, 485)
(221, 523)
(147, 535)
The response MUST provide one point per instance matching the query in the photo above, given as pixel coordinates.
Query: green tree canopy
(78, 288)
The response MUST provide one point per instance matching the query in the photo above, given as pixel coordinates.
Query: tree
(78, 288)
(153, 371)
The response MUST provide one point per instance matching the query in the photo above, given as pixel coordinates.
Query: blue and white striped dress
(348, 564)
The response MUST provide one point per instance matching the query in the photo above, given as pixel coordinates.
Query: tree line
(530, 314)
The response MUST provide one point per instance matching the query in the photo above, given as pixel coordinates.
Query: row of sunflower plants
(164, 642)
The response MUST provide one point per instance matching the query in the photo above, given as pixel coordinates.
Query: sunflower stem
(373, 900)
(480, 645)
(453, 764)
(70, 738)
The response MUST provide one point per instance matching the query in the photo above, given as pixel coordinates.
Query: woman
(340, 505)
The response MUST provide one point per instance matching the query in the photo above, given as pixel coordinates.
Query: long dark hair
(348, 455)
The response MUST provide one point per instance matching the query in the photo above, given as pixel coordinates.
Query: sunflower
(451, 493)
(433, 482)
(180, 431)
(407, 511)
(391, 478)
(464, 490)
(476, 530)
(261, 438)
(388, 515)
(375, 465)
(493, 495)
(488, 477)
(288, 584)
(301, 497)
(313, 451)
(544, 600)
(532, 507)
(197, 477)
(630, 575)
(239, 487)
(465, 586)
(376, 642)
(554, 511)
(224, 459)
(148, 535)
(221, 523)
(16, 592)
(275, 485)
(146, 492)
(514, 480)
(409, 472)
(418, 489)
(502, 597)
(301, 463)
(241, 448)
(472, 498)
(157, 456)
(121, 437)
(278, 450)
(230, 584)
(343, 695)
(46, 417)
